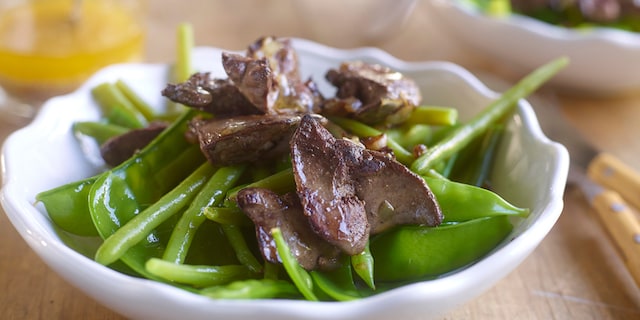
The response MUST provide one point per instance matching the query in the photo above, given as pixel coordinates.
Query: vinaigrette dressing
(46, 49)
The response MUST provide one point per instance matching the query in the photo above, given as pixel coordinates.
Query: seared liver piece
(393, 194)
(268, 210)
(253, 78)
(243, 139)
(268, 76)
(120, 148)
(216, 96)
(349, 192)
(325, 187)
(283, 59)
(371, 93)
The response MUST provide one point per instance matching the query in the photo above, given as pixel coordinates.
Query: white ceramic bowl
(604, 61)
(530, 171)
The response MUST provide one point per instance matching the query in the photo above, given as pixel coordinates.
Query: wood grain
(575, 273)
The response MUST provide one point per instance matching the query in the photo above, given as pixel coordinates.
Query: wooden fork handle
(613, 174)
(623, 227)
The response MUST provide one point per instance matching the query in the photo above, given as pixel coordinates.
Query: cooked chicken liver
(216, 96)
(349, 192)
(253, 78)
(268, 210)
(268, 76)
(120, 148)
(393, 194)
(243, 139)
(371, 93)
(325, 187)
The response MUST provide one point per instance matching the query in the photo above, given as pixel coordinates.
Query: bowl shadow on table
(595, 261)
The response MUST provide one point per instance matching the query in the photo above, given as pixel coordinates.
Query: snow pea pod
(462, 202)
(123, 192)
(66, 205)
(140, 226)
(418, 252)
(362, 265)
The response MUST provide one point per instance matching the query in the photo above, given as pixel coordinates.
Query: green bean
(124, 191)
(243, 253)
(197, 275)
(258, 172)
(300, 277)
(191, 157)
(337, 284)
(210, 195)
(253, 289)
(433, 115)
(362, 130)
(271, 270)
(416, 135)
(475, 165)
(99, 131)
(449, 166)
(280, 182)
(184, 66)
(117, 107)
(227, 215)
(499, 108)
(136, 101)
(143, 223)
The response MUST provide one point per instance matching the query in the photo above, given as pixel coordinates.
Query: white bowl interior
(531, 171)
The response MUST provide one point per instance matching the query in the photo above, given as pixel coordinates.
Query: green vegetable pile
(169, 215)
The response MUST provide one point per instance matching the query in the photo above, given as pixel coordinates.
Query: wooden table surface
(575, 273)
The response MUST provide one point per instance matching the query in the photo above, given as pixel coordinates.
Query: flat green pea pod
(462, 202)
(419, 252)
(67, 207)
(362, 265)
(123, 192)
(140, 226)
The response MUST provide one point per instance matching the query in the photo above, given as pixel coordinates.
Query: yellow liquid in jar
(44, 50)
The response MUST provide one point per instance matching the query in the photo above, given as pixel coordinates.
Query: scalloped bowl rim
(151, 299)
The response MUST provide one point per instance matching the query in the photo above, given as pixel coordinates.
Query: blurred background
(110, 28)
(560, 280)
